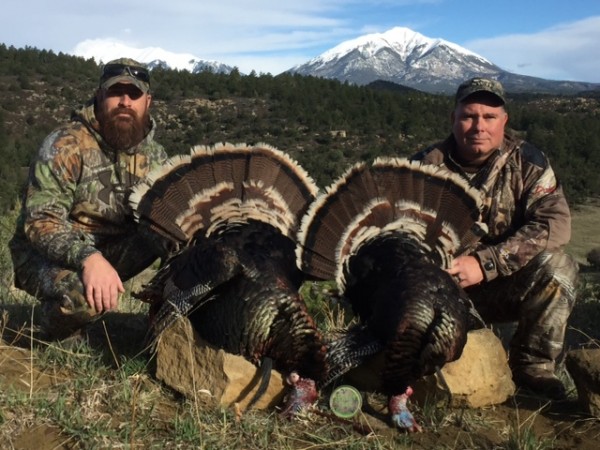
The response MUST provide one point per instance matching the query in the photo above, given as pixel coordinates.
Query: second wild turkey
(230, 215)
(386, 233)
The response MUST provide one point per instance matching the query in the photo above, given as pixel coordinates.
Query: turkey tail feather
(393, 194)
(214, 187)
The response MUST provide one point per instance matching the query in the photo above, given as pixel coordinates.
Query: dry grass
(585, 235)
(102, 394)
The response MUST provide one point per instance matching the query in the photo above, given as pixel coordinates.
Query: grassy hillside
(324, 124)
(585, 234)
(103, 395)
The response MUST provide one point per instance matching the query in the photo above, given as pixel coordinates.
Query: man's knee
(545, 310)
(559, 265)
(64, 316)
(556, 277)
(64, 307)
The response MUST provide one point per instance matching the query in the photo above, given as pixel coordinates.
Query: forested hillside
(324, 124)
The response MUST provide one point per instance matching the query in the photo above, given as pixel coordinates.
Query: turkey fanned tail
(386, 233)
(231, 215)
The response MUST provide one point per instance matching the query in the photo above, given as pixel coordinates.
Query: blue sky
(546, 38)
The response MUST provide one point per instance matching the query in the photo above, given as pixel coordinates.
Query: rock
(584, 367)
(20, 374)
(196, 369)
(480, 377)
(593, 257)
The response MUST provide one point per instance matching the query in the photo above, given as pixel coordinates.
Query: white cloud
(567, 51)
(103, 50)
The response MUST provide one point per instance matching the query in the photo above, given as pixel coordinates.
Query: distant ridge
(382, 85)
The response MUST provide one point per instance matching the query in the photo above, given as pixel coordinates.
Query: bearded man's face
(123, 113)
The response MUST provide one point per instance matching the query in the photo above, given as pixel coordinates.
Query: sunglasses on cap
(114, 70)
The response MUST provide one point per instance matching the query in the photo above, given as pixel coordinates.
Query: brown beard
(122, 134)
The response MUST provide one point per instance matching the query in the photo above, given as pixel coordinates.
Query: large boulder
(584, 367)
(196, 369)
(480, 377)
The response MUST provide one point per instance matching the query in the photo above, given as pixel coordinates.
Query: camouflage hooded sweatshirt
(76, 197)
(524, 206)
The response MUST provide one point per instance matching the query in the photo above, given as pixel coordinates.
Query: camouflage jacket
(77, 191)
(524, 206)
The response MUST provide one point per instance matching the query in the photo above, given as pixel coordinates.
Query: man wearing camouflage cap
(76, 240)
(519, 271)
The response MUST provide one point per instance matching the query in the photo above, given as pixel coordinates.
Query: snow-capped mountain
(400, 55)
(406, 57)
(103, 50)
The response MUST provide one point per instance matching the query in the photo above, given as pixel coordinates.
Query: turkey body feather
(386, 233)
(230, 215)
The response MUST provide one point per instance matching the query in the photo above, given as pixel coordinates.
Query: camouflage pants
(61, 291)
(540, 298)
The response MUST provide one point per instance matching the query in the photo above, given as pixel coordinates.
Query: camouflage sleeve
(547, 225)
(50, 197)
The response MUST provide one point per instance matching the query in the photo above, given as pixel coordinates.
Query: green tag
(345, 401)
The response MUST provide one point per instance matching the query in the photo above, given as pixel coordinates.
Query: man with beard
(76, 240)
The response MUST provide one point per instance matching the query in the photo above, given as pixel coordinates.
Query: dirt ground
(531, 423)
(557, 425)
(522, 422)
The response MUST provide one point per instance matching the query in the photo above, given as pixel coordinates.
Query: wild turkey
(386, 233)
(230, 215)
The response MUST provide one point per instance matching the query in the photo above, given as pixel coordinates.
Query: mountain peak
(401, 40)
(408, 58)
(402, 56)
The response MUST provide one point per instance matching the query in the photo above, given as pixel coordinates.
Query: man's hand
(466, 270)
(101, 282)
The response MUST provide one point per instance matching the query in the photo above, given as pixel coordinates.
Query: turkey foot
(400, 415)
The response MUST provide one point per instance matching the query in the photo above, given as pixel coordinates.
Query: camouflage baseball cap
(125, 70)
(474, 85)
